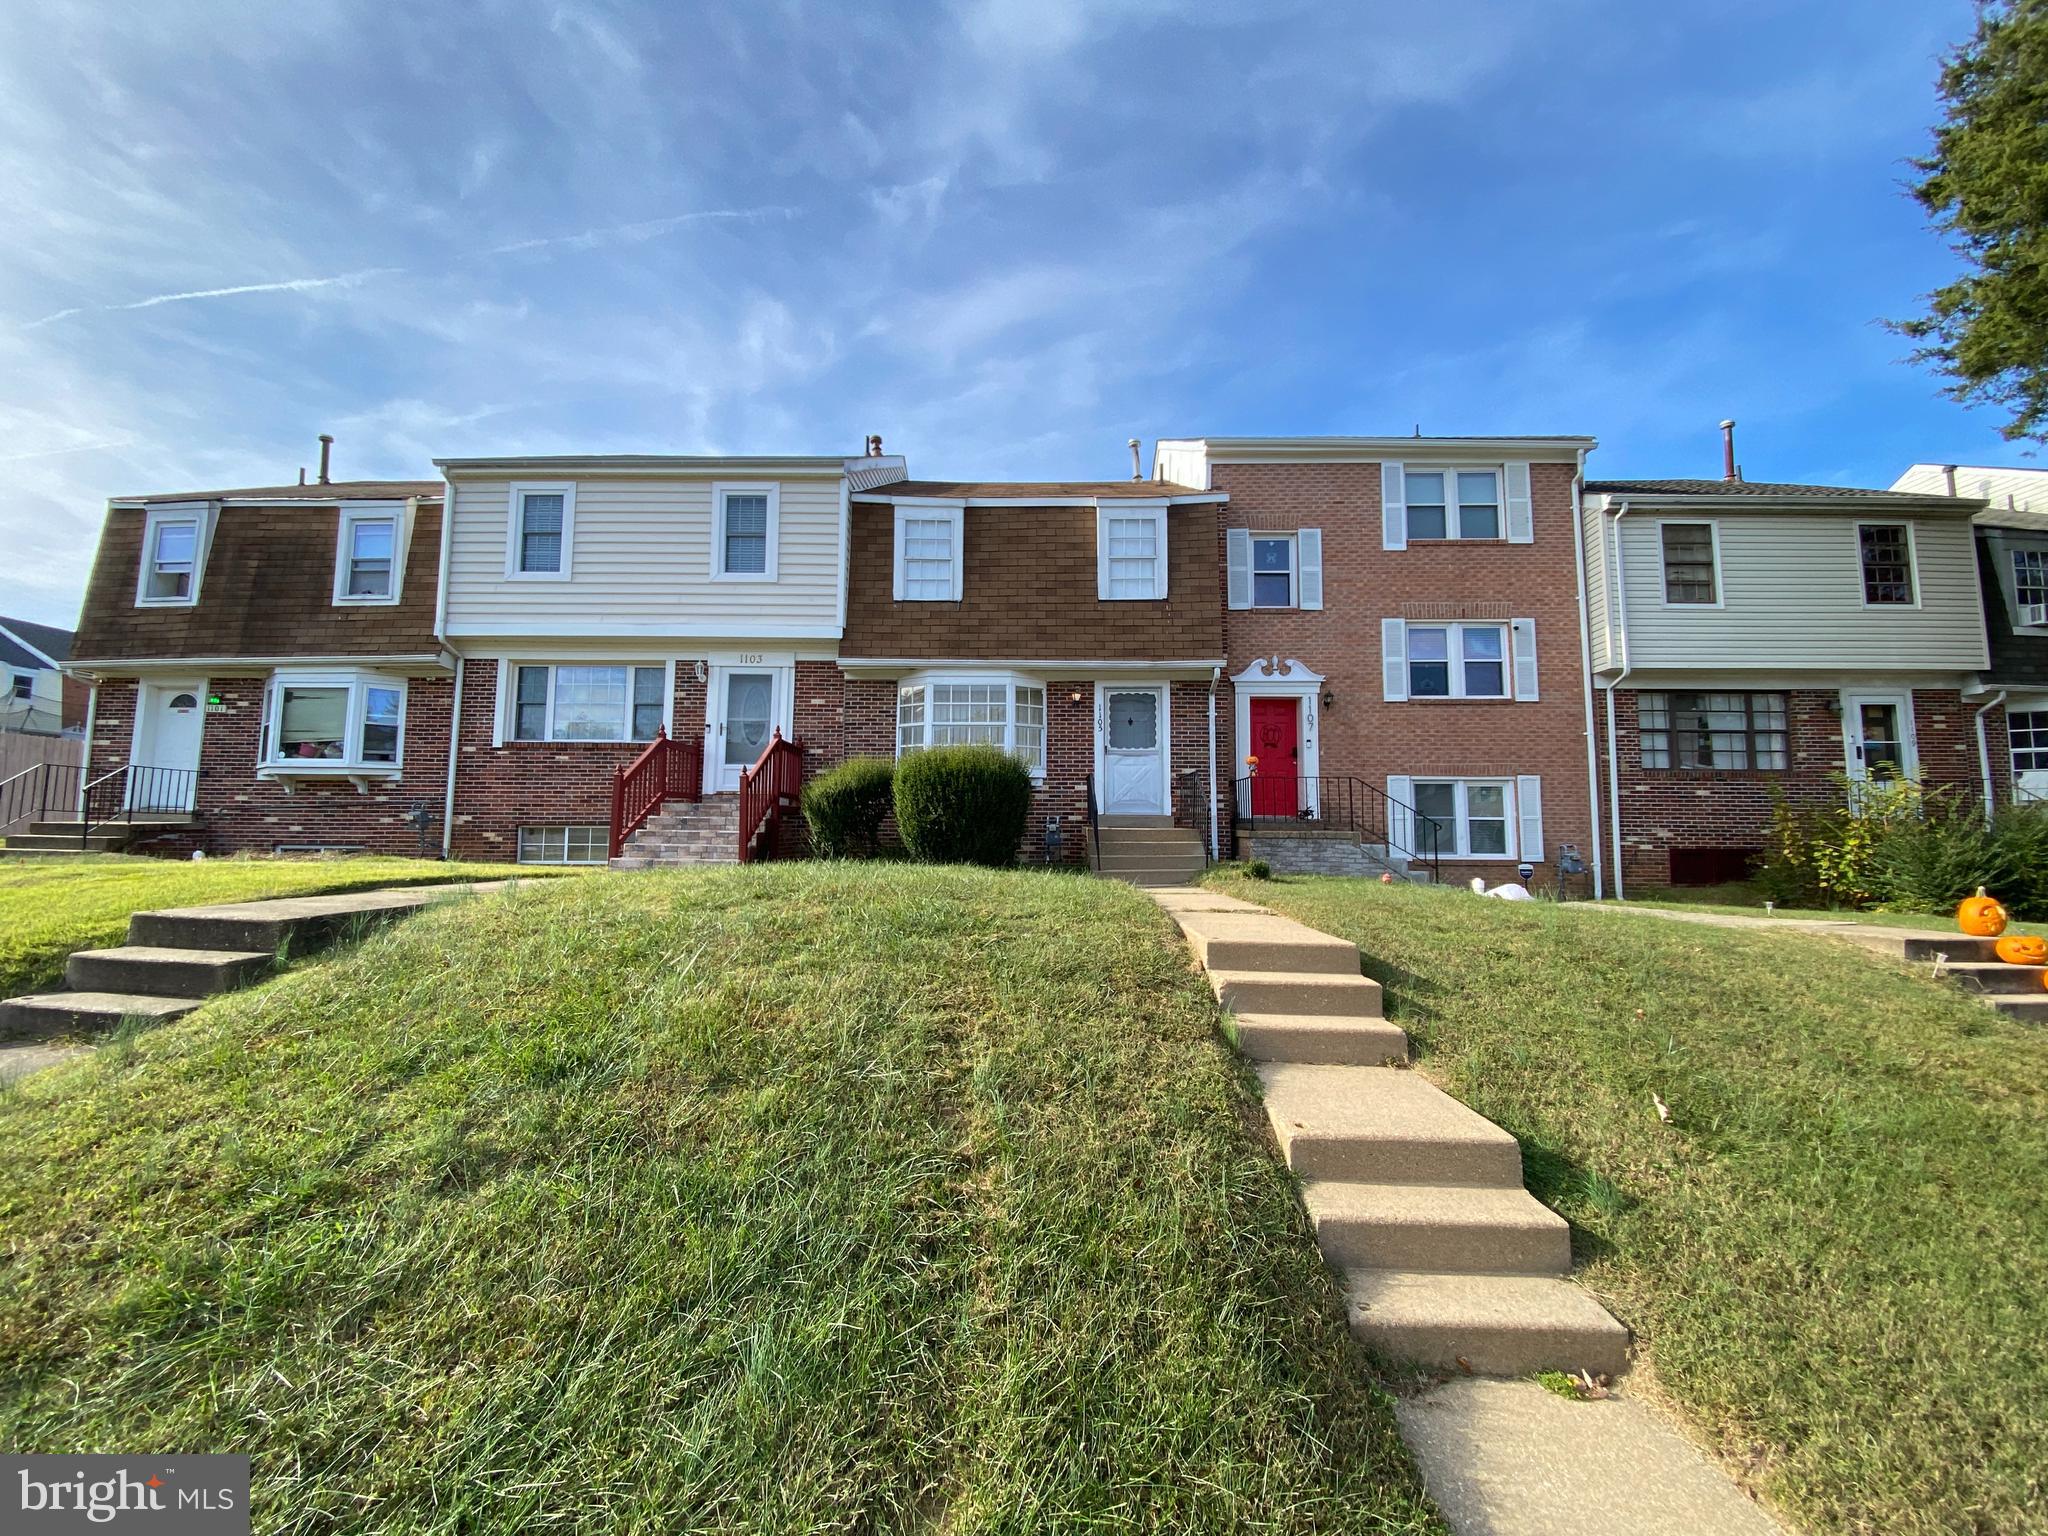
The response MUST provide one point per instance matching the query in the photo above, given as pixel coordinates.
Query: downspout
(1627, 661)
(1984, 754)
(455, 700)
(1215, 850)
(92, 710)
(1586, 672)
(454, 747)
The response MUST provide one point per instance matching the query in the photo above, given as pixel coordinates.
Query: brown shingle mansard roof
(1763, 490)
(323, 495)
(1027, 490)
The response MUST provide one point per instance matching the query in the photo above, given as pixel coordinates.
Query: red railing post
(781, 763)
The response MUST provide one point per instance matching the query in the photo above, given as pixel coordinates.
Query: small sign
(172, 1495)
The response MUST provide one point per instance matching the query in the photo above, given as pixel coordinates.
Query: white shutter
(1394, 659)
(498, 712)
(1524, 632)
(896, 580)
(1521, 518)
(1529, 805)
(1400, 824)
(1393, 506)
(1238, 545)
(1308, 553)
(1101, 552)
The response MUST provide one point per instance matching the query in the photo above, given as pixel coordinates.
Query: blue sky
(1007, 234)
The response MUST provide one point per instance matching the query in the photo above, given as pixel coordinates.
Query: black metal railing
(1187, 802)
(1094, 826)
(40, 793)
(135, 790)
(1335, 803)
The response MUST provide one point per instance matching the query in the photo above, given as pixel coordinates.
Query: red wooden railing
(667, 770)
(767, 789)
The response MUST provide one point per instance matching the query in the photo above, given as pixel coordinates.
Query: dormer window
(1130, 544)
(2030, 585)
(367, 555)
(173, 552)
(928, 553)
(541, 538)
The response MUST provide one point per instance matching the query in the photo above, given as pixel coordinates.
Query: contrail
(646, 230)
(290, 285)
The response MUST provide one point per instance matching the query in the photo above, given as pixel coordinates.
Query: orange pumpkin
(1981, 916)
(2022, 949)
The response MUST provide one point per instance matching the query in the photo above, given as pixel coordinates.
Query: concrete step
(1313, 1040)
(1383, 1125)
(1151, 853)
(1443, 1229)
(141, 826)
(1121, 823)
(66, 842)
(1996, 976)
(1150, 837)
(38, 853)
(2018, 1005)
(1494, 1325)
(1960, 948)
(1325, 993)
(164, 972)
(1149, 877)
(1230, 941)
(82, 1013)
(299, 922)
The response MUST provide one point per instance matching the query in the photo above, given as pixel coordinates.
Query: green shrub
(1829, 857)
(962, 805)
(2021, 838)
(1259, 869)
(1929, 862)
(846, 806)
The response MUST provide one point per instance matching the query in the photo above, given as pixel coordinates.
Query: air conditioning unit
(2034, 614)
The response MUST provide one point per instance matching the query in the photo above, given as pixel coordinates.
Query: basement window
(564, 845)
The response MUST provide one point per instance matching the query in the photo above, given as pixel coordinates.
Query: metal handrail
(164, 790)
(1336, 802)
(1094, 827)
(767, 789)
(1189, 782)
(28, 794)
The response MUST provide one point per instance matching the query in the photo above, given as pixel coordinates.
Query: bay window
(588, 702)
(333, 722)
(997, 710)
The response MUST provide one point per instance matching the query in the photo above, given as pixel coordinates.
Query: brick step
(1383, 1125)
(140, 968)
(1330, 995)
(1494, 1325)
(1439, 1228)
(1312, 1040)
(83, 1013)
(1230, 941)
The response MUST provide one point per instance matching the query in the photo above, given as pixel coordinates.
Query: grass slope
(1837, 1249)
(797, 1198)
(50, 907)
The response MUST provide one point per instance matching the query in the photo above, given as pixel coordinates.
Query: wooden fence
(20, 751)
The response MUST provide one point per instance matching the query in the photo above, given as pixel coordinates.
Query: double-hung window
(1457, 661)
(995, 710)
(23, 685)
(2030, 585)
(1887, 554)
(586, 702)
(1470, 816)
(1453, 504)
(542, 536)
(173, 551)
(1713, 730)
(333, 722)
(2028, 729)
(928, 553)
(1273, 570)
(1690, 578)
(1130, 541)
(366, 555)
(744, 532)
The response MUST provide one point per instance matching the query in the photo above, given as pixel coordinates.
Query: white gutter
(845, 548)
(441, 587)
(441, 634)
(454, 752)
(1586, 671)
(1620, 606)
(92, 710)
(1984, 755)
(1215, 848)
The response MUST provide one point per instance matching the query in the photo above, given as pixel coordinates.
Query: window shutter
(1529, 805)
(1308, 553)
(1394, 659)
(896, 560)
(1525, 659)
(1393, 506)
(498, 714)
(1238, 560)
(1101, 553)
(1400, 820)
(1521, 517)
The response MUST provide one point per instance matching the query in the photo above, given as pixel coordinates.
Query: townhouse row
(1451, 654)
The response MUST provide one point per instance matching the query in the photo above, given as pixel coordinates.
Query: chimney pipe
(326, 447)
(1728, 469)
(1136, 473)
(1948, 476)
(874, 445)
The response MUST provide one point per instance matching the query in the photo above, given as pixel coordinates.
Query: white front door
(170, 719)
(747, 705)
(1877, 731)
(1134, 744)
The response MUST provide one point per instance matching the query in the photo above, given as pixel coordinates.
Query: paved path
(1871, 935)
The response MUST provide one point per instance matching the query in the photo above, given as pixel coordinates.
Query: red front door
(1276, 743)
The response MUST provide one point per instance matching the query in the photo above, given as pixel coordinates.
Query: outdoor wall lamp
(698, 668)
(1329, 699)
(1074, 697)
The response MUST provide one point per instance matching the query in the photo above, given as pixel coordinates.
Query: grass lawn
(1742, 901)
(50, 907)
(1837, 1250)
(792, 1198)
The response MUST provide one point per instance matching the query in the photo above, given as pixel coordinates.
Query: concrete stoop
(1144, 853)
(1448, 1262)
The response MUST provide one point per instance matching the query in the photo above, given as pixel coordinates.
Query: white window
(333, 721)
(744, 534)
(1887, 554)
(2030, 585)
(1471, 817)
(564, 845)
(1130, 545)
(1273, 570)
(1457, 661)
(1453, 504)
(541, 536)
(999, 710)
(2028, 729)
(174, 539)
(588, 702)
(368, 558)
(928, 553)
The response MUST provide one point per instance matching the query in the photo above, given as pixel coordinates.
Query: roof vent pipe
(326, 448)
(1136, 473)
(302, 474)
(1728, 469)
(1948, 476)
(874, 445)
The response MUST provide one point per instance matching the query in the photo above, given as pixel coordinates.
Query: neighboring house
(1074, 623)
(263, 662)
(591, 602)
(38, 700)
(2012, 565)
(1755, 644)
(1403, 650)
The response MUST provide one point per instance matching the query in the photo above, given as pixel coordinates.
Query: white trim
(1164, 692)
(1713, 525)
(947, 512)
(1394, 661)
(845, 553)
(1452, 533)
(781, 706)
(1308, 569)
(1912, 563)
(771, 554)
(397, 514)
(1012, 681)
(1852, 732)
(1131, 510)
(514, 510)
(1393, 504)
(1237, 566)
(1529, 818)
(441, 568)
(1518, 503)
(1454, 658)
(1273, 678)
(1461, 828)
(1522, 653)
(508, 695)
(200, 514)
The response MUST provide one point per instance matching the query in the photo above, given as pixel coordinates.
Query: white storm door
(163, 772)
(748, 705)
(1133, 751)
(1877, 731)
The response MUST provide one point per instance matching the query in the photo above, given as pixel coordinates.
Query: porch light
(1329, 699)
